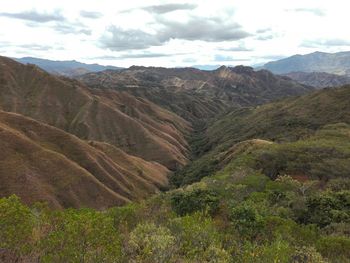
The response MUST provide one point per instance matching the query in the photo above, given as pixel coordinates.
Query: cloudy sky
(172, 33)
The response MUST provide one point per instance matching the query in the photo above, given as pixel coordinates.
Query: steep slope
(334, 63)
(64, 68)
(194, 94)
(41, 163)
(136, 125)
(319, 79)
(282, 121)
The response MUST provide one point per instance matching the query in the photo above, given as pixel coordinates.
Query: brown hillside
(41, 163)
(136, 125)
(196, 94)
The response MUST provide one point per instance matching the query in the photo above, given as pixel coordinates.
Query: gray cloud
(325, 43)
(71, 28)
(167, 8)
(223, 58)
(266, 34)
(219, 57)
(35, 16)
(4, 43)
(146, 55)
(314, 11)
(263, 30)
(35, 47)
(162, 9)
(59, 22)
(90, 14)
(197, 28)
(265, 37)
(271, 57)
(189, 60)
(236, 49)
(138, 55)
(201, 28)
(119, 39)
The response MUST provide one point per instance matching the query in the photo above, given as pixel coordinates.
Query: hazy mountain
(334, 63)
(65, 68)
(319, 79)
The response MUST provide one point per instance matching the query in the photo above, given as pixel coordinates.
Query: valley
(164, 165)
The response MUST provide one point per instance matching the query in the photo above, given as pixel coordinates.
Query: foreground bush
(151, 243)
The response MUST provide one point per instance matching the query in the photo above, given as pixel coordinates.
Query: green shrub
(335, 249)
(189, 201)
(277, 251)
(197, 237)
(81, 236)
(16, 226)
(151, 243)
(246, 220)
(328, 207)
(125, 216)
(307, 255)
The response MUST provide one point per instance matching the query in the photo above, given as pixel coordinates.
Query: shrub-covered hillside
(283, 121)
(268, 202)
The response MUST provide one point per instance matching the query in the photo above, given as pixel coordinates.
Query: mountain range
(193, 93)
(67, 68)
(125, 130)
(334, 63)
(151, 164)
(319, 79)
(130, 129)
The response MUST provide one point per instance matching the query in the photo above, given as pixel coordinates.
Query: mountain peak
(242, 69)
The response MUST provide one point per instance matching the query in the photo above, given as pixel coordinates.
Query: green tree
(328, 207)
(189, 201)
(246, 220)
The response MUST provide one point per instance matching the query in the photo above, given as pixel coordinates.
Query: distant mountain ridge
(334, 63)
(319, 79)
(194, 94)
(65, 67)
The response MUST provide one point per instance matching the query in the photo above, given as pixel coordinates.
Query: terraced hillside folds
(39, 162)
(136, 125)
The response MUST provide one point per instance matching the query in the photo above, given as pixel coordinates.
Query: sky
(172, 33)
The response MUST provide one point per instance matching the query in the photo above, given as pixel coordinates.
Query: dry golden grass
(136, 125)
(39, 162)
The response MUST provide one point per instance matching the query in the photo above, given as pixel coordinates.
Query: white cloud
(172, 33)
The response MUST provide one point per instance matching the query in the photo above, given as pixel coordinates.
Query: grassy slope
(136, 125)
(42, 163)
